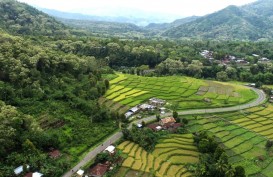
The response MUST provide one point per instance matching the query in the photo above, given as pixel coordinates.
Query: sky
(173, 8)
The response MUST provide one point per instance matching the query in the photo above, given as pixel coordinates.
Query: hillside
(165, 26)
(127, 91)
(243, 23)
(20, 18)
(43, 93)
(104, 28)
(133, 16)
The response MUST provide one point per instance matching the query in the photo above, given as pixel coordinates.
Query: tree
(175, 114)
(218, 152)
(107, 83)
(185, 121)
(230, 172)
(157, 117)
(231, 73)
(102, 157)
(28, 146)
(195, 69)
(143, 124)
(239, 172)
(269, 144)
(222, 76)
(258, 84)
(170, 66)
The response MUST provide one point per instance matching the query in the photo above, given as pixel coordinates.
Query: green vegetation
(178, 149)
(53, 77)
(146, 138)
(213, 161)
(130, 90)
(50, 101)
(162, 161)
(106, 29)
(226, 24)
(244, 136)
(20, 18)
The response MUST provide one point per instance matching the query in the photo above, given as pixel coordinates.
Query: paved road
(261, 98)
(92, 154)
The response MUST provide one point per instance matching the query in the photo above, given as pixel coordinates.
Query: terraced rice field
(129, 90)
(167, 160)
(243, 135)
(178, 149)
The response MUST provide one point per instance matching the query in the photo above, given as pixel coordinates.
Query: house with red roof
(167, 120)
(54, 154)
(99, 170)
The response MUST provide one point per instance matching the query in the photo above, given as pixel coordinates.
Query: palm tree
(230, 172)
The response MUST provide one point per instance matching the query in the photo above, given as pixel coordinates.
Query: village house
(156, 102)
(241, 61)
(167, 120)
(146, 107)
(162, 110)
(35, 174)
(207, 54)
(99, 170)
(20, 169)
(172, 127)
(80, 173)
(128, 114)
(139, 125)
(251, 85)
(132, 111)
(155, 127)
(228, 59)
(110, 149)
(54, 154)
(264, 60)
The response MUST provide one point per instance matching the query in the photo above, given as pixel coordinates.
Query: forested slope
(20, 18)
(55, 94)
(250, 22)
(48, 97)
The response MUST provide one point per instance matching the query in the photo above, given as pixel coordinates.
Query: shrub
(269, 144)
(239, 172)
(185, 121)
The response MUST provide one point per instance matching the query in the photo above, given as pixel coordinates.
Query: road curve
(92, 154)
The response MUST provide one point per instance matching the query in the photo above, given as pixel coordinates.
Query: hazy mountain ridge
(102, 27)
(249, 22)
(137, 18)
(165, 26)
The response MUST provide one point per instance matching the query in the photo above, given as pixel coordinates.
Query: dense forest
(50, 89)
(51, 77)
(178, 57)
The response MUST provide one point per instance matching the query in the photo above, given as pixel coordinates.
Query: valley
(86, 95)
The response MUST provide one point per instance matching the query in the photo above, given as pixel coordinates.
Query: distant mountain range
(136, 17)
(249, 22)
(114, 29)
(176, 23)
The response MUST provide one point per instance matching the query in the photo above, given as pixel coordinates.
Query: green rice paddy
(243, 135)
(168, 158)
(189, 93)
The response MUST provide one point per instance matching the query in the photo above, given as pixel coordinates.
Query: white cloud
(180, 8)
